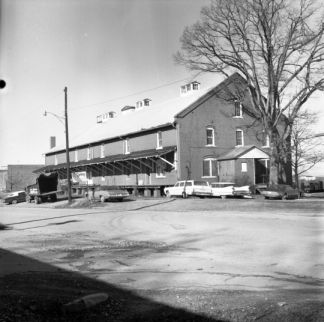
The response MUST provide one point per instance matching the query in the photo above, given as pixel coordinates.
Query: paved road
(186, 244)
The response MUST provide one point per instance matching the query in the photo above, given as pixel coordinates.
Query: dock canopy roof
(145, 154)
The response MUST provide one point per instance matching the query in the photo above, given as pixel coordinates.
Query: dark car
(15, 197)
(110, 193)
(280, 191)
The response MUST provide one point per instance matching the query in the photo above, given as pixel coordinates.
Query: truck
(45, 189)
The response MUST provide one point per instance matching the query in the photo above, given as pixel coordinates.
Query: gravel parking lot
(228, 260)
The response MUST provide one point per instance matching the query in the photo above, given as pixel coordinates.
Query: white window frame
(242, 137)
(76, 156)
(244, 166)
(90, 153)
(126, 149)
(240, 115)
(159, 144)
(212, 137)
(102, 150)
(210, 166)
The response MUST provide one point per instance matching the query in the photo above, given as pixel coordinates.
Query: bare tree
(14, 181)
(277, 45)
(307, 147)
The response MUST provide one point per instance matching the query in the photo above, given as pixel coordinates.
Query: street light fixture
(64, 120)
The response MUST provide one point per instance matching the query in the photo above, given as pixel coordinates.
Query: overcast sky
(100, 49)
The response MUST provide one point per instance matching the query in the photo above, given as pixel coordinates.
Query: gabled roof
(249, 151)
(151, 117)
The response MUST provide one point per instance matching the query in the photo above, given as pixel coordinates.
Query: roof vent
(111, 114)
(147, 102)
(142, 103)
(104, 117)
(189, 88)
(127, 109)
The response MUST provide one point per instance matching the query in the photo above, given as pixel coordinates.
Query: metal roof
(150, 117)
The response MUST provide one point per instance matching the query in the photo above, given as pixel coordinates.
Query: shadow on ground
(31, 290)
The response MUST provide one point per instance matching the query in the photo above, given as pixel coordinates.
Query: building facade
(211, 135)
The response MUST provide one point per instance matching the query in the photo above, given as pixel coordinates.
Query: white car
(187, 188)
(225, 189)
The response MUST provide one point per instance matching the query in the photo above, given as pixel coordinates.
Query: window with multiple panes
(159, 140)
(210, 136)
(126, 146)
(209, 167)
(239, 137)
(238, 109)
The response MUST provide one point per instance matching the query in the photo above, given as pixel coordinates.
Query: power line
(137, 93)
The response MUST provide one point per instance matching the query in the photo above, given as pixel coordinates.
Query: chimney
(52, 142)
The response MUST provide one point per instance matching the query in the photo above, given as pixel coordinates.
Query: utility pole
(67, 148)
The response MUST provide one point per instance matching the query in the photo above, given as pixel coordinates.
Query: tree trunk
(280, 160)
(274, 158)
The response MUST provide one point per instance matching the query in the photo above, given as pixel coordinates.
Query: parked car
(230, 189)
(109, 193)
(188, 188)
(15, 197)
(280, 191)
(258, 188)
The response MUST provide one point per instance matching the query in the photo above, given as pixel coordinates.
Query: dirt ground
(158, 260)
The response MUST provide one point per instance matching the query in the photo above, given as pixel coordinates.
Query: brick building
(210, 134)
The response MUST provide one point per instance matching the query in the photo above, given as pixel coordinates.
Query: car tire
(168, 195)
(37, 200)
(102, 199)
(266, 197)
(184, 195)
(284, 197)
(223, 197)
(14, 201)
